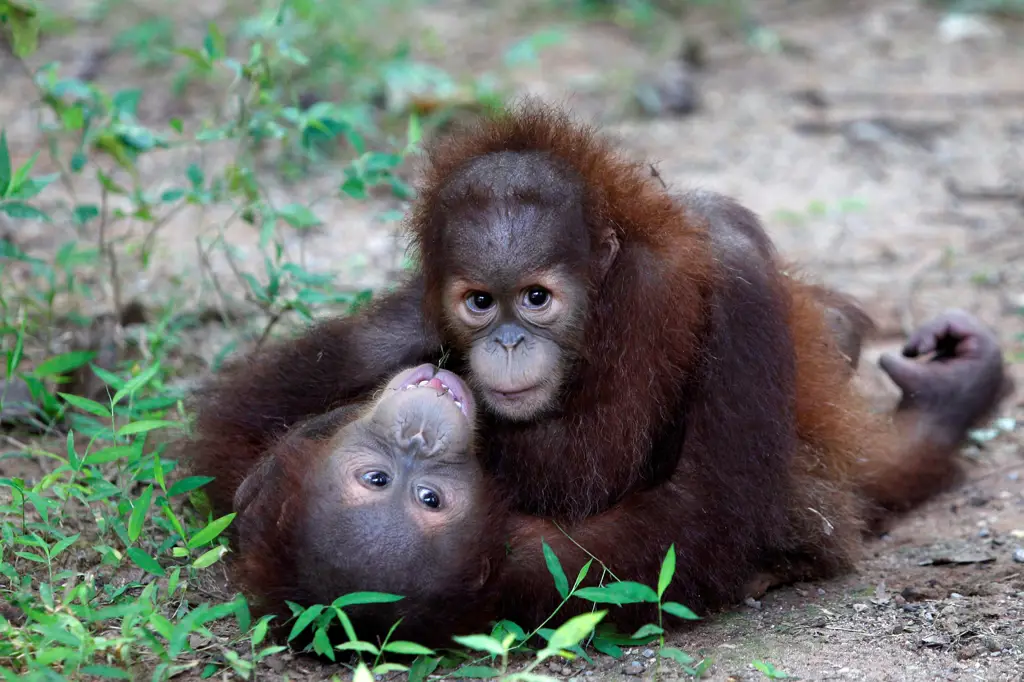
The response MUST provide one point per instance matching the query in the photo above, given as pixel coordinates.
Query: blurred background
(183, 181)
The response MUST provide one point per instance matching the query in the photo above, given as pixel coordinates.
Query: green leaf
(195, 176)
(144, 561)
(506, 626)
(299, 216)
(127, 101)
(525, 50)
(647, 631)
(63, 363)
(346, 624)
(215, 528)
(187, 484)
(573, 631)
(555, 569)
(385, 668)
(364, 598)
(109, 454)
(209, 557)
(769, 670)
(362, 674)
(668, 569)
(85, 213)
(356, 645)
(215, 44)
(607, 648)
(422, 668)
(22, 211)
(477, 672)
(408, 648)
(679, 611)
(304, 620)
(259, 633)
(137, 382)
(5, 164)
(414, 131)
(109, 378)
(680, 657)
(625, 592)
(31, 557)
(63, 545)
(21, 173)
(144, 426)
(355, 187)
(322, 644)
(139, 511)
(583, 573)
(481, 643)
(86, 405)
(73, 118)
(24, 190)
(242, 614)
(23, 26)
(106, 671)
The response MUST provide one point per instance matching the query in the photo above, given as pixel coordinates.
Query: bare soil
(859, 195)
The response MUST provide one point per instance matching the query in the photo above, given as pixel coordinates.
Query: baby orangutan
(385, 495)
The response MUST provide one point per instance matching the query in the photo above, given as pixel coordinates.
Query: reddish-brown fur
(268, 535)
(709, 409)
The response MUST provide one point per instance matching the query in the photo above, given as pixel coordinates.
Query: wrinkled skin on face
(394, 501)
(399, 488)
(518, 282)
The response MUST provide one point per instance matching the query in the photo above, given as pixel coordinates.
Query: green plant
(103, 550)
(107, 552)
(770, 671)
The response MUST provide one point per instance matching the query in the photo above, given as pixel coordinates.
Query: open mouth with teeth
(442, 382)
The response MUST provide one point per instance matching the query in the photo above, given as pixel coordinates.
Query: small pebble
(648, 653)
(860, 608)
(1018, 555)
(752, 603)
(955, 595)
(821, 592)
(634, 668)
(984, 533)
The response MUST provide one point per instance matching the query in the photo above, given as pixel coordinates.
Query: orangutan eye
(378, 479)
(428, 497)
(536, 297)
(479, 301)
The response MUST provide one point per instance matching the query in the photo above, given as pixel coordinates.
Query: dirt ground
(941, 597)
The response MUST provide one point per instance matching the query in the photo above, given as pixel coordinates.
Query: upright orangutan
(648, 374)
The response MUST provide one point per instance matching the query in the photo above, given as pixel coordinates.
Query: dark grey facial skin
(520, 255)
(392, 506)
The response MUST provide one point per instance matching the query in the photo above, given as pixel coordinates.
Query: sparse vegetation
(271, 121)
(105, 553)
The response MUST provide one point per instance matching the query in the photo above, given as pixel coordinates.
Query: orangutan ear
(255, 483)
(606, 252)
